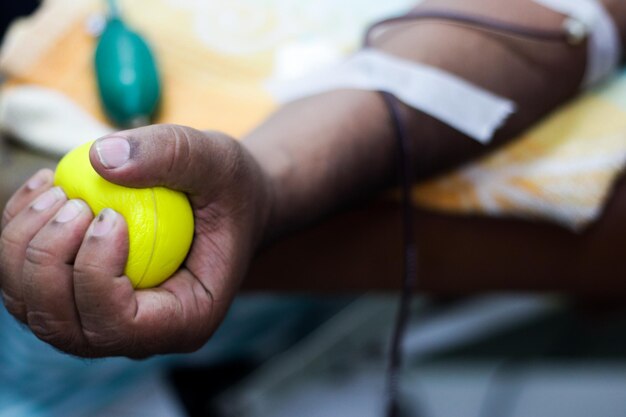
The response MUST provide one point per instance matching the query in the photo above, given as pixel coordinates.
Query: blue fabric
(38, 381)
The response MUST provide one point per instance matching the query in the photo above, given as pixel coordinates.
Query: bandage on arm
(617, 10)
(326, 151)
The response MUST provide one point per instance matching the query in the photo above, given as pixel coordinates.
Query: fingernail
(47, 199)
(104, 223)
(37, 181)
(113, 151)
(69, 211)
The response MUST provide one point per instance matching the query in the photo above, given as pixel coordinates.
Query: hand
(61, 271)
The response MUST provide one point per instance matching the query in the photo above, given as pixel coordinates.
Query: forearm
(320, 152)
(326, 151)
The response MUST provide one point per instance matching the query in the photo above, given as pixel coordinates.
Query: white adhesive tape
(604, 41)
(472, 110)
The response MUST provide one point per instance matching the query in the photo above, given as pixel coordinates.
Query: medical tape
(605, 46)
(462, 105)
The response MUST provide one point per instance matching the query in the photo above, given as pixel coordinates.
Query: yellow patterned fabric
(561, 170)
(216, 58)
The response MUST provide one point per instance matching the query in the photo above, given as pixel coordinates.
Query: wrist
(264, 200)
(320, 153)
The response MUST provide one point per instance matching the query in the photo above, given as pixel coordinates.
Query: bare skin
(64, 279)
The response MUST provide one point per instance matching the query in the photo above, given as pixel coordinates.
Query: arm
(61, 270)
(345, 150)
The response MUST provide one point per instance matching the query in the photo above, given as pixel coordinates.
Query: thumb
(176, 157)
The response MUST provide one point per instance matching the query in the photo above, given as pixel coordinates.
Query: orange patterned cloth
(560, 170)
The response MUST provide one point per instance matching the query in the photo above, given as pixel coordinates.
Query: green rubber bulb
(127, 75)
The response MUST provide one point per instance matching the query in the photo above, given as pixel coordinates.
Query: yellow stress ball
(160, 221)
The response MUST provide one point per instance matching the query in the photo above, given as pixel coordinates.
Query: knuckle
(85, 271)
(6, 216)
(9, 212)
(108, 340)
(179, 153)
(235, 163)
(11, 241)
(40, 256)
(14, 306)
(55, 332)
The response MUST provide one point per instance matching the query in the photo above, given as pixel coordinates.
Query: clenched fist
(61, 270)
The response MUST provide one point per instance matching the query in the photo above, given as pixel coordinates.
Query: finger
(172, 156)
(35, 186)
(48, 276)
(179, 316)
(116, 320)
(104, 296)
(14, 244)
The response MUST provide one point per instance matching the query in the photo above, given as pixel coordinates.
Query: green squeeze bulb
(126, 73)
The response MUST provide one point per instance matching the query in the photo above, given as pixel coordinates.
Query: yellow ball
(160, 220)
